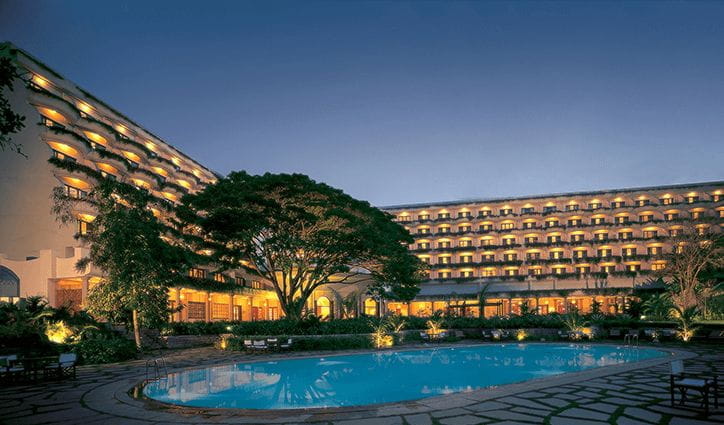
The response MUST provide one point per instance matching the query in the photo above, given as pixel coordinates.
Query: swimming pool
(380, 377)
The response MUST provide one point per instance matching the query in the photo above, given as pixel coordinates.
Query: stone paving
(632, 394)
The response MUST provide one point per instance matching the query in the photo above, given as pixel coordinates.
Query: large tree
(10, 121)
(300, 234)
(133, 249)
(693, 270)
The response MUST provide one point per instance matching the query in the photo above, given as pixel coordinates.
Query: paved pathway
(627, 395)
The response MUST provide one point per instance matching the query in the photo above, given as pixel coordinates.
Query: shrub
(104, 349)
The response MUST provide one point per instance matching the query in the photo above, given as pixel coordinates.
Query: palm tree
(686, 319)
(658, 306)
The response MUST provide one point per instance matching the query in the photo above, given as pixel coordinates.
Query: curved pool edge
(135, 397)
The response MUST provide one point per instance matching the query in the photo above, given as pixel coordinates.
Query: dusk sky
(397, 102)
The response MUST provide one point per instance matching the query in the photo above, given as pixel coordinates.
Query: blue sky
(398, 102)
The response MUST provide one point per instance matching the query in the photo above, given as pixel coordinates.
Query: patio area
(626, 394)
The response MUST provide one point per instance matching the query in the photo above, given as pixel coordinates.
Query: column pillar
(208, 306)
(231, 306)
(84, 292)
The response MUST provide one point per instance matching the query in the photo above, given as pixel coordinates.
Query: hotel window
(555, 255)
(441, 216)
(403, 218)
(511, 272)
(559, 270)
(600, 236)
(605, 252)
(443, 230)
(621, 220)
(510, 257)
(466, 273)
(625, 235)
(465, 228)
(549, 209)
(594, 205)
(197, 273)
(552, 223)
(219, 277)
(529, 210)
(598, 220)
(580, 254)
(608, 269)
(485, 227)
(74, 192)
(507, 226)
(508, 241)
(572, 207)
(443, 260)
(642, 202)
(554, 239)
(465, 243)
(486, 242)
(532, 256)
(633, 267)
(425, 231)
(529, 225)
(674, 232)
(83, 227)
(721, 213)
(109, 176)
(666, 201)
(531, 239)
(63, 157)
(256, 284)
(444, 275)
(239, 281)
(583, 270)
(489, 272)
(444, 244)
(535, 272)
(628, 252)
(423, 217)
(484, 213)
(653, 250)
(695, 215)
(618, 204)
(646, 218)
(577, 238)
(575, 222)
(466, 259)
(658, 266)
(464, 214)
(716, 197)
(425, 260)
(701, 230)
(506, 211)
(488, 257)
(49, 123)
(423, 245)
(671, 216)
(692, 199)
(650, 234)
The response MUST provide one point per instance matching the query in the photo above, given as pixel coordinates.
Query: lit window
(75, 193)
(197, 273)
(219, 277)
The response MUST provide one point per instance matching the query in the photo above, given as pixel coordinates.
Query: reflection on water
(379, 377)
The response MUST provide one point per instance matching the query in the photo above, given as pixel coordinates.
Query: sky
(400, 102)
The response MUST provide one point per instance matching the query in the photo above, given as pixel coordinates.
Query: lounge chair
(614, 333)
(248, 344)
(705, 387)
(259, 345)
(272, 343)
(459, 334)
(424, 335)
(496, 334)
(64, 366)
(9, 367)
(286, 345)
(486, 334)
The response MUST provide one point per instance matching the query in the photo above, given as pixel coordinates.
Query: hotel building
(550, 252)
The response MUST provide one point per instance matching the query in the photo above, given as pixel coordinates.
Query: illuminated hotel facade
(549, 251)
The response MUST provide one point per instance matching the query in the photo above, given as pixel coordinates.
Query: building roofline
(11, 46)
(549, 195)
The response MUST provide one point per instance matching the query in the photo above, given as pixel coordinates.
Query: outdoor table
(34, 364)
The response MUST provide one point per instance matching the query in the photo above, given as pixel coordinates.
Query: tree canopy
(10, 121)
(300, 234)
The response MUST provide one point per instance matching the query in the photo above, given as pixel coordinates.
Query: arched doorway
(323, 308)
(9, 285)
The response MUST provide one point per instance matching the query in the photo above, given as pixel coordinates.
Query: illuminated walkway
(630, 394)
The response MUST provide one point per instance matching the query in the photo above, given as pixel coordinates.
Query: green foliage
(658, 306)
(347, 342)
(10, 122)
(300, 234)
(104, 348)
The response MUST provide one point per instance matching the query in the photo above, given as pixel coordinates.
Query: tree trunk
(136, 330)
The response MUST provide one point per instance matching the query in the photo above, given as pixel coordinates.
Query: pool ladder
(630, 339)
(157, 367)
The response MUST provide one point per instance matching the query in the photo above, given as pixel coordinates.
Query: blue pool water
(389, 376)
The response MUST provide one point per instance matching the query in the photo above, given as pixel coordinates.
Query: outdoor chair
(706, 387)
(259, 345)
(486, 334)
(496, 334)
(614, 333)
(459, 334)
(64, 366)
(9, 367)
(564, 334)
(272, 343)
(424, 335)
(668, 333)
(286, 345)
(248, 344)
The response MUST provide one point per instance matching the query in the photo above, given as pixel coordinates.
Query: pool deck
(633, 393)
